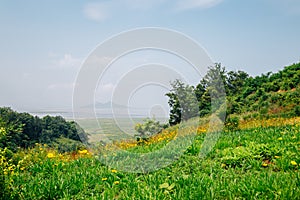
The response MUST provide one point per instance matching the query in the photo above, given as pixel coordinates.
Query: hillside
(268, 95)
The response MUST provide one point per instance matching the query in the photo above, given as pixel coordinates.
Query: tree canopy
(24, 130)
(270, 94)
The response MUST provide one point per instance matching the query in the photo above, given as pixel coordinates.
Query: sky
(44, 43)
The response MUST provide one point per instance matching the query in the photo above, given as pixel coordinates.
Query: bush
(67, 145)
(149, 128)
(297, 110)
(4, 192)
(232, 123)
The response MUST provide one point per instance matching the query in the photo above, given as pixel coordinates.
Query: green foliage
(63, 145)
(23, 130)
(149, 128)
(232, 123)
(183, 102)
(208, 96)
(244, 164)
(270, 94)
(297, 110)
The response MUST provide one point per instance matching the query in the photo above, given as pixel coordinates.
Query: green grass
(232, 170)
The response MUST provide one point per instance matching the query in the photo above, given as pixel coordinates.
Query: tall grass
(253, 163)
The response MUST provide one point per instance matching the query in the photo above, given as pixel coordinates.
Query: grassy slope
(248, 164)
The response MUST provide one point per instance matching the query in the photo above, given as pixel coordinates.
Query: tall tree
(182, 101)
(211, 90)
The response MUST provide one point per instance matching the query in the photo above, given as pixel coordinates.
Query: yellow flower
(280, 138)
(22, 168)
(293, 162)
(83, 151)
(114, 171)
(50, 155)
(264, 164)
(223, 165)
(104, 179)
(276, 157)
(116, 182)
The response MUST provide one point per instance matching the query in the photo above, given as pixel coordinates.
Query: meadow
(259, 160)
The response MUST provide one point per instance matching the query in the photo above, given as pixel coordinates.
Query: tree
(210, 91)
(183, 102)
(24, 130)
(235, 82)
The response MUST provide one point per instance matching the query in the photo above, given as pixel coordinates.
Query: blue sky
(43, 43)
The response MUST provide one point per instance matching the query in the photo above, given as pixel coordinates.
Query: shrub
(148, 128)
(297, 110)
(67, 145)
(232, 123)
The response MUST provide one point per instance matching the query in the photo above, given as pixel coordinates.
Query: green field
(253, 163)
(113, 129)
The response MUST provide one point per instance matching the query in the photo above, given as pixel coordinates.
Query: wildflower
(280, 138)
(114, 171)
(264, 164)
(104, 179)
(223, 165)
(22, 168)
(116, 182)
(276, 157)
(83, 151)
(50, 155)
(293, 163)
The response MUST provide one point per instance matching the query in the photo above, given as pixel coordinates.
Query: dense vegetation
(252, 163)
(24, 130)
(256, 157)
(268, 95)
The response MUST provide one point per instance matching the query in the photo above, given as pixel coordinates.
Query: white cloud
(96, 11)
(68, 60)
(193, 4)
(65, 61)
